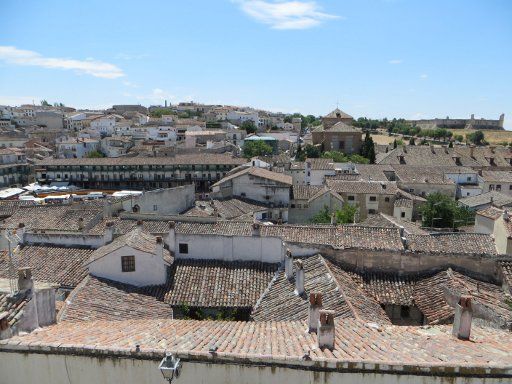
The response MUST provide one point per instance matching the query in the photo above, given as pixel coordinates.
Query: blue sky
(377, 58)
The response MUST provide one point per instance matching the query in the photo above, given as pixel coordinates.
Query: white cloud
(285, 14)
(130, 84)
(13, 55)
(423, 76)
(395, 61)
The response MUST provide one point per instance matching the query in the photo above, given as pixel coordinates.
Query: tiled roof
(185, 159)
(229, 209)
(8, 207)
(482, 156)
(258, 172)
(497, 176)
(337, 114)
(338, 127)
(136, 239)
(490, 212)
(495, 198)
(421, 175)
(62, 217)
(102, 299)
(280, 302)
(422, 155)
(49, 263)
(430, 297)
(358, 346)
(214, 283)
(306, 192)
(383, 220)
(387, 288)
(467, 243)
(12, 307)
(367, 187)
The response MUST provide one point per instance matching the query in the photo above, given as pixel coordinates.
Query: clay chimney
(333, 218)
(107, 210)
(506, 215)
(325, 329)
(299, 278)
(315, 305)
(463, 318)
(25, 281)
(472, 151)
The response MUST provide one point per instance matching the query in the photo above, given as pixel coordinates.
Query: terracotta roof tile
(50, 263)
(467, 243)
(101, 299)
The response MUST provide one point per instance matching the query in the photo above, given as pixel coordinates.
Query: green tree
(256, 148)
(95, 154)
(395, 144)
(345, 215)
(443, 212)
(368, 148)
(477, 138)
(300, 155)
(340, 157)
(312, 152)
(45, 103)
(249, 126)
(450, 145)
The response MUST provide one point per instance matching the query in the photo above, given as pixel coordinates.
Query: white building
(136, 258)
(77, 147)
(105, 125)
(257, 184)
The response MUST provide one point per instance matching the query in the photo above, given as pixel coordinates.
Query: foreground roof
(102, 299)
(258, 172)
(382, 348)
(215, 283)
(495, 198)
(455, 242)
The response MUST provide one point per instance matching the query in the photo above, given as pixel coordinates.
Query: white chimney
(80, 223)
(25, 281)
(107, 210)
(326, 330)
(159, 249)
(463, 318)
(171, 238)
(256, 229)
(299, 278)
(506, 215)
(315, 305)
(288, 265)
(108, 236)
(20, 231)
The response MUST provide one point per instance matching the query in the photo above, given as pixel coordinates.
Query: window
(386, 199)
(402, 214)
(128, 263)
(469, 178)
(351, 198)
(371, 211)
(155, 207)
(183, 248)
(373, 198)
(510, 187)
(498, 187)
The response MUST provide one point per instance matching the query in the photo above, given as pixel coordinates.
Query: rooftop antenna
(13, 240)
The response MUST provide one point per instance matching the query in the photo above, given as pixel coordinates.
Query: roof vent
(299, 278)
(315, 305)
(326, 331)
(463, 318)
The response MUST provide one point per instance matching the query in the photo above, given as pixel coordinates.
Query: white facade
(105, 125)
(226, 248)
(238, 117)
(77, 148)
(150, 269)
(267, 192)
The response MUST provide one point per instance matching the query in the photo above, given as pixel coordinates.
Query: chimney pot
(299, 278)
(172, 224)
(326, 331)
(463, 318)
(25, 281)
(80, 223)
(333, 218)
(315, 305)
(256, 229)
(288, 264)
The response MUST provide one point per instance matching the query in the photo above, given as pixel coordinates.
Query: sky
(374, 58)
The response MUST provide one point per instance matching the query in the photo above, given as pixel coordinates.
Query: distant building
(470, 123)
(337, 134)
